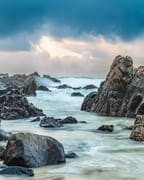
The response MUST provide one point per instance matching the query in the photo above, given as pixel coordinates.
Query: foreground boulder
(14, 105)
(32, 151)
(122, 93)
(16, 171)
(137, 133)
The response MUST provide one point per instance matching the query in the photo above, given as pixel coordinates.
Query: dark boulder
(2, 152)
(43, 88)
(77, 94)
(122, 93)
(50, 122)
(107, 128)
(71, 155)
(32, 151)
(64, 86)
(37, 119)
(89, 86)
(52, 78)
(16, 171)
(137, 133)
(89, 101)
(14, 105)
(69, 120)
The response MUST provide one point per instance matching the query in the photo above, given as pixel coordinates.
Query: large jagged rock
(122, 93)
(14, 105)
(137, 133)
(31, 150)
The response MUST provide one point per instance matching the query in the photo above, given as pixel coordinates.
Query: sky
(69, 37)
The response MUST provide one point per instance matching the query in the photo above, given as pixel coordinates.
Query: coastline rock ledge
(121, 94)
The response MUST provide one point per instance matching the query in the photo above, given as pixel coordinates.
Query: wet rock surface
(15, 171)
(71, 155)
(52, 78)
(77, 94)
(31, 150)
(137, 133)
(106, 128)
(69, 120)
(2, 152)
(50, 122)
(90, 86)
(43, 88)
(14, 105)
(122, 93)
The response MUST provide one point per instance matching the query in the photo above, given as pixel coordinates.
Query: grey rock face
(31, 150)
(122, 93)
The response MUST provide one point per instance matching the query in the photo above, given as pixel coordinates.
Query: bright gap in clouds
(86, 56)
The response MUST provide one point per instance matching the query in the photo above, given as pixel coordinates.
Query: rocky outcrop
(52, 78)
(137, 133)
(14, 105)
(122, 93)
(16, 171)
(32, 151)
(43, 88)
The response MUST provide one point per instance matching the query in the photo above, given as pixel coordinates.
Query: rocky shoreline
(120, 95)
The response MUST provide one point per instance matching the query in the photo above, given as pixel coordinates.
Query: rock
(63, 86)
(77, 94)
(108, 128)
(50, 122)
(32, 151)
(122, 93)
(37, 119)
(16, 171)
(137, 133)
(83, 122)
(43, 88)
(52, 78)
(71, 155)
(89, 101)
(30, 86)
(4, 135)
(89, 86)
(69, 120)
(76, 88)
(128, 127)
(2, 152)
(14, 105)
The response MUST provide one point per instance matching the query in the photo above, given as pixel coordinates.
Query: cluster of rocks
(51, 122)
(121, 94)
(14, 105)
(87, 87)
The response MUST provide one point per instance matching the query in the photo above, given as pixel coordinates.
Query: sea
(101, 156)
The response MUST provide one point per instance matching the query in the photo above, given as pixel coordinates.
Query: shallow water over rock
(101, 155)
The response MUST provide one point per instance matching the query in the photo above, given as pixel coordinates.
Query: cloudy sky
(69, 37)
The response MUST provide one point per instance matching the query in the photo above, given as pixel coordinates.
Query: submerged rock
(90, 86)
(107, 128)
(137, 133)
(43, 88)
(14, 105)
(122, 93)
(71, 155)
(16, 171)
(77, 94)
(64, 86)
(32, 151)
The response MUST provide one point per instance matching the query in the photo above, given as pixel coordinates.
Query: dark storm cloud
(124, 18)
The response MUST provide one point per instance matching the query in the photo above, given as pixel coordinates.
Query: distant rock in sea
(121, 94)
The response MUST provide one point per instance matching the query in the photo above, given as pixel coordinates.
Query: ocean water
(101, 156)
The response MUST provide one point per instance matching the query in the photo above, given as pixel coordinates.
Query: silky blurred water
(100, 155)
